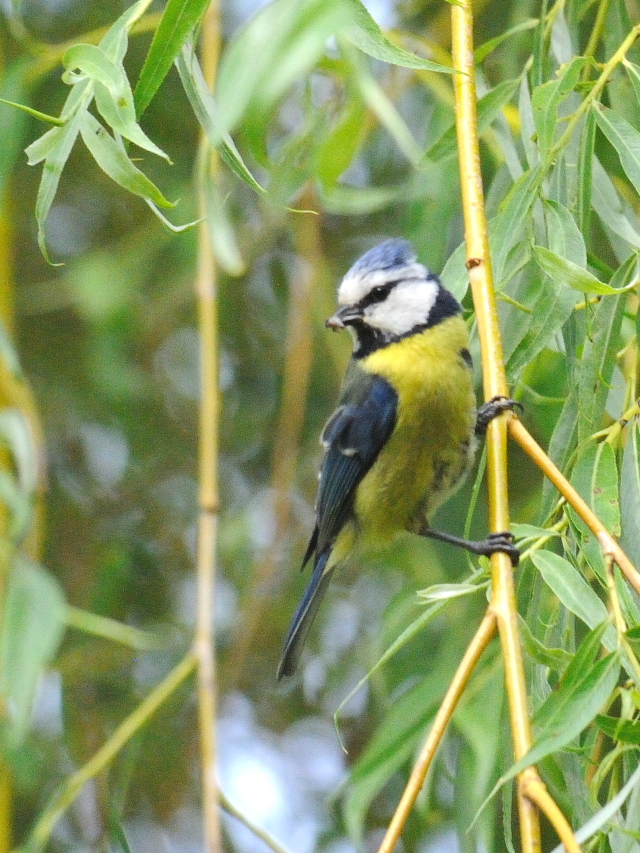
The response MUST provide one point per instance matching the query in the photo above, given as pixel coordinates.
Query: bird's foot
(500, 542)
(491, 409)
(485, 547)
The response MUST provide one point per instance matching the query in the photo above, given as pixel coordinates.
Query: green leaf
(338, 150)
(624, 138)
(609, 812)
(119, 113)
(553, 303)
(383, 107)
(585, 174)
(481, 53)
(343, 200)
(546, 100)
(478, 753)
(16, 435)
(18, 506)
(550, 713)
(530, 531)
(570, 274)
(569, 710)
(13, 89)
(527, 125)
(633, 73)
(112, 91)
(115, 41)
(204, 107)
(562, 442)
(599, 353)
(627, 731)
(95, 65)
(489, 106)
(390, 747)
(563, 235)
(443, 591)
(630, 495)
(275, 49)
(628, 600)
(223, 238)
(54, 148)
(556, 659)
(583, 691)
(572, 707)
(113, 160)
(509, 224)
(551, 309)
(610, 207)
(595, 477)
(179, 19)
(566, 582)
(367, 36)
(400, 641)
(32, 627)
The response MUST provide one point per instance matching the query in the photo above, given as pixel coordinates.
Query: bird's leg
(491, 409)
(485, 547)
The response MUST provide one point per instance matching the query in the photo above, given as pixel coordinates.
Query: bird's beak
(343, 316)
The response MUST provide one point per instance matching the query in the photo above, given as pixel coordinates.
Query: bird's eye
(378, 294)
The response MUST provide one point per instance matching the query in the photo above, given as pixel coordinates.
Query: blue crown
(388, 255)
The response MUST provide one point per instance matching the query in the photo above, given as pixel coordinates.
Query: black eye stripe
(378, 294)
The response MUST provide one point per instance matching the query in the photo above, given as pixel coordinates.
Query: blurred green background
(108, 343)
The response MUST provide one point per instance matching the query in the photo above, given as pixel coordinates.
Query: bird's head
(387, 295)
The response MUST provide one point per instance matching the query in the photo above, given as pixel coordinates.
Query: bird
(404, 433)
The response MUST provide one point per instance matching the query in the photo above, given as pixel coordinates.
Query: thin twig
(596, 32)
(258, 831)
(465, 669)
(503, 602)
(608, 544)
(204, 644)
(594, 93)
(125, 731)
(110, 629)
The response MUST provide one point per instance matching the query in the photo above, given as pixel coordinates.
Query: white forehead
(357, 283)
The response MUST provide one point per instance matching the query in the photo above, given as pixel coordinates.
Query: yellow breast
(432, 445)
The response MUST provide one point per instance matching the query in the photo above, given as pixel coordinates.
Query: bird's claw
(502, 543)
(491, 409)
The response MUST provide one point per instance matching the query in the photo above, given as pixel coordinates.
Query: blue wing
(353, 437)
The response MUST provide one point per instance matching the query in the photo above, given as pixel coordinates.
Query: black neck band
(370, 339)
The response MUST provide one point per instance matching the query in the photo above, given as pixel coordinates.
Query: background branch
(206, 293)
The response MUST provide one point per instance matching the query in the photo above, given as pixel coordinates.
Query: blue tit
(403, 436)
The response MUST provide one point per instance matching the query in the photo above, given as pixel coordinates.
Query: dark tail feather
(304, 617)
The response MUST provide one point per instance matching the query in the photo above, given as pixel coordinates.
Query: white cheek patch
(408, 305)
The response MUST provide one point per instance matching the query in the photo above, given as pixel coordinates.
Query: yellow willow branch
(61, 801)
(534, 789)
(608, 544)
(16, 394)
(503, 602)
(204, 642)
(465, 669)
